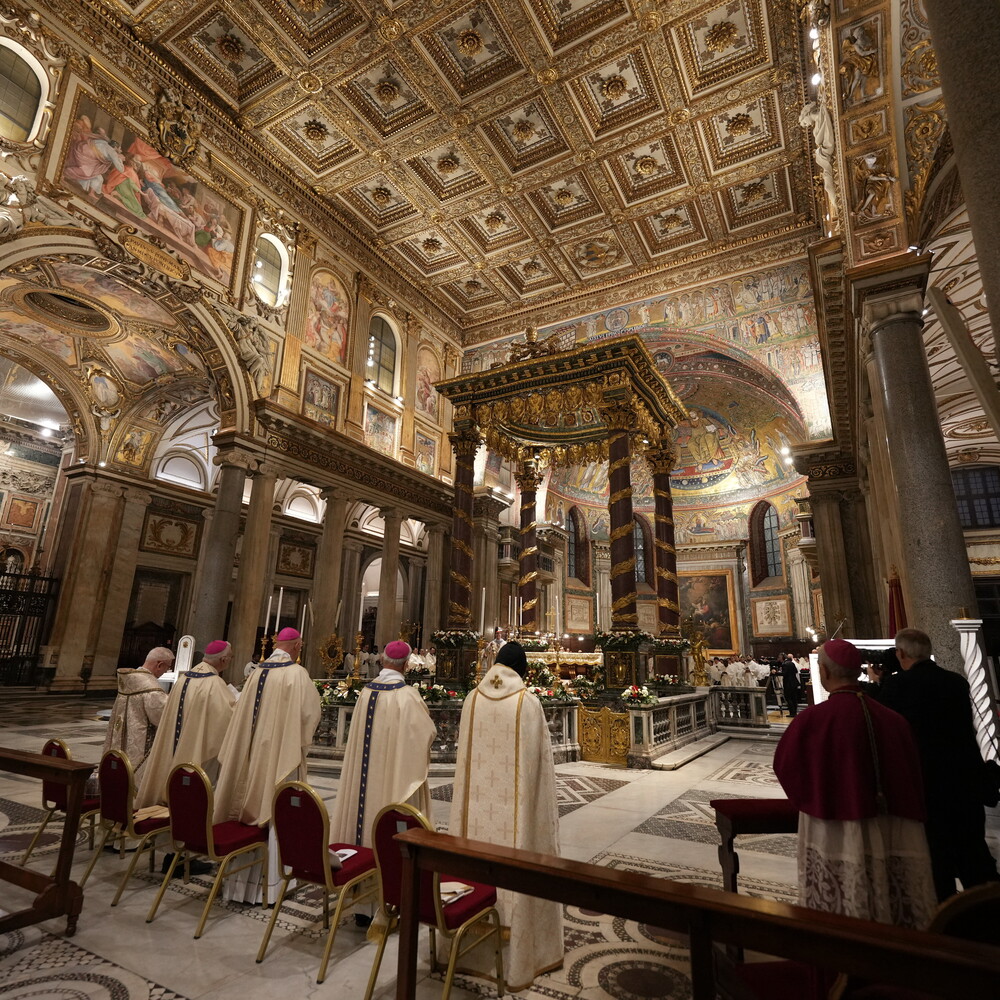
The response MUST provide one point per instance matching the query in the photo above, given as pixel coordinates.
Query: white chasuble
(267, 740)
(386, 759)
(505, 793)
(191, 731)
(134, 717)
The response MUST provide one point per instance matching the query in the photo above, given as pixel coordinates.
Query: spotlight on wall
(817, 79)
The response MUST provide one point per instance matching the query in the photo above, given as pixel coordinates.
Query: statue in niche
(816, 116)
(254, 351)
(20, 205)
(874, 183)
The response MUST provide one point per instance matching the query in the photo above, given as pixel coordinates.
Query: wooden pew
(940, 966)
(56, 894)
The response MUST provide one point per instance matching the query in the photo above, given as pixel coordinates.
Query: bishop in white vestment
(193, 724)
(505, 793)
(138, 709)
(387, 754)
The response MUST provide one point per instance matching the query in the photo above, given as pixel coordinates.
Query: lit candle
(510, 610)
(277, 614)
(558, 616)
(482, 613)
(267, 617)
(302, 623)
(336, 618)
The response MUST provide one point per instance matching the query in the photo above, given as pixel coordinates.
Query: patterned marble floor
(653, 822)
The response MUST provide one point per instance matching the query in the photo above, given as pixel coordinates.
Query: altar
(567, 663)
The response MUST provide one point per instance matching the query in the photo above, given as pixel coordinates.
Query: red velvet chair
(451, 919)
(54, 798)
(117, 784)
(302, 829)
(191, 803)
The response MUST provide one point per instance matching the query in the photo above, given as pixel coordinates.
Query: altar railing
(667, 725)
(745, 707)
(330, 740)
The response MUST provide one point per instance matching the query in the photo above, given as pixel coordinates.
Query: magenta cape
(824, 761)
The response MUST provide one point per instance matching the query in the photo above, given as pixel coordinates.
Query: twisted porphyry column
(465, 443)
(528, 480)
(661, 462)
(621, 420)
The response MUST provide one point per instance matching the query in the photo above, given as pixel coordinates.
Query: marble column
(214, 581)
(486, 513)
(248, 602)
(834, 574)
(465, 443)
(350, 615)
(326, 589)
(966, 38)
(528, 480)
(937, 580)
(387, 621)
(621, 420)
(661, 462)
(799, 575)
(432, 593)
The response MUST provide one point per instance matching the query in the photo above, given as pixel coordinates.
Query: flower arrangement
(666, 679)
(455, 638)
(582, 687)
(413, 675)
(540, 675)
(670, 647)
(343, 692)
(636, 695)
(435, 694)
(533, 645)
(556, 694)
(622, 640)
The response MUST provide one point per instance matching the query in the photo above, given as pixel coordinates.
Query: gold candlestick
(358, 639)
(480, 660)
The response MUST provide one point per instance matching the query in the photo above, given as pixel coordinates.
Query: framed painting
(22, 513)
(108, 162)
(579, 614)
(296, 560)
(320, 399)
(327, 316)
(380, 430)
(425, 453)
(771, 616)
(707, 600)
(175, 536)
(428, 372)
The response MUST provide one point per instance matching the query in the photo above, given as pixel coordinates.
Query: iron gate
(25, 602)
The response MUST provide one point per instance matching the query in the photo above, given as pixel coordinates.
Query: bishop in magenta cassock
(851, 768)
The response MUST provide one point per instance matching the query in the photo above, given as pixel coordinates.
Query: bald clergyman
(193, 724)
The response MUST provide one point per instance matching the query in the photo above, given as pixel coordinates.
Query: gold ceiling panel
(508, 158)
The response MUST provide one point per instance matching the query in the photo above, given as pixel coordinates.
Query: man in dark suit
(790, 684)
(937, 705)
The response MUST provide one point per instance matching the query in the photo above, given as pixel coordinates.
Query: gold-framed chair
(117, 783)
(302, 829)
(191, 803)
(451, 919)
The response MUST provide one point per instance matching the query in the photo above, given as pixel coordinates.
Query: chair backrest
(117, 788)
(52, 792)
(189, 799)
(973, 915)
(302, 829)
(391, 820)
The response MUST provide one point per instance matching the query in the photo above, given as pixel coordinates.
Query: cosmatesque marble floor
(654, 822)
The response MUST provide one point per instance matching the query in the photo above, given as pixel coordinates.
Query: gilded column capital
(619, 415)
(528, 478)
(661, 459)
(465, 442)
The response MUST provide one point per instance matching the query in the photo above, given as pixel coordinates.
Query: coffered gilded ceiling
(511, 158)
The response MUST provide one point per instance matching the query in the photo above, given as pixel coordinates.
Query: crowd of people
(886, 773)
(251, 742)
(784, 677)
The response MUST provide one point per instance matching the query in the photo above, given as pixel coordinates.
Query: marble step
(674, 759)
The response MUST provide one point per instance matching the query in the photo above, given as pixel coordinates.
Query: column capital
(266, 470)
(661, 459)
(235, 457)
(335, 493)
(137, 496)
(882, 295)
(465, 441)
(391, 514)
(528, 478)
(619, 415)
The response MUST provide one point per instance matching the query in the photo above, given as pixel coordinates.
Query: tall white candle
(510, 610)
(302, 623)
(558, 617)
(482, 612)
(277, 614)
(267, 617)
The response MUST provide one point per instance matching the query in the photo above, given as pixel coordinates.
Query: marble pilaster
(831, 558)
(326, 586)
(387, 622)
(799, 574)
(434, 581)
(350, 615)
(486, 511)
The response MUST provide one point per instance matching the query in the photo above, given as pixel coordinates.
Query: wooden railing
(56, 895)
(937, 965)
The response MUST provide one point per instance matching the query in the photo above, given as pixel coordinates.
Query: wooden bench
(56, 894)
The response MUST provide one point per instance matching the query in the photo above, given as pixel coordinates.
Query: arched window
(577, 547)
(382, 354)
(270, 270)
(643, 552)
(977, 493)
(765, 545)
(20, 95)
